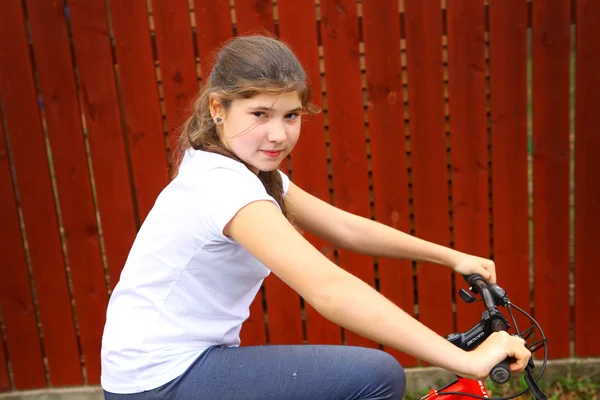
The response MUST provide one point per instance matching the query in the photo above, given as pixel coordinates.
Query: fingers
(490, 270)
(485, 272)
(487, 275)
(520, 354)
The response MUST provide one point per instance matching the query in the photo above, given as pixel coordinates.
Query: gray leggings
(284, 373)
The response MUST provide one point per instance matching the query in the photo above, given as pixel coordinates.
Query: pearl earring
(219, 120)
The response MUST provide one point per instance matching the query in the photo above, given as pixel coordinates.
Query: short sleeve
(285, 181)
(226, 192)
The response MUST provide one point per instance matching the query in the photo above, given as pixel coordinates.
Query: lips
(272, 153)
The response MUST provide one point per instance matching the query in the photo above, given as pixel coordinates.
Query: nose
(277, 132)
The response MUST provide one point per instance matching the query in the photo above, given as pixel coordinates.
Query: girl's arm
(366, 236)
(349, 302)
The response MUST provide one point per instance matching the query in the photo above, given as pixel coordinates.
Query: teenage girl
(226, 221)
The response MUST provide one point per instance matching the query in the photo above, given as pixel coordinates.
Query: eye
(259, 114)
(292, 116)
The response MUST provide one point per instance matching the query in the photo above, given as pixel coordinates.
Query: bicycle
(492, 320)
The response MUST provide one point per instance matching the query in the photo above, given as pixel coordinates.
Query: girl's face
(261, 130)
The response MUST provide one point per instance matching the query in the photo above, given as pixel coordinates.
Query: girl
(223, 224)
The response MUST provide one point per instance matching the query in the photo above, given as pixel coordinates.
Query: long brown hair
(244, 67)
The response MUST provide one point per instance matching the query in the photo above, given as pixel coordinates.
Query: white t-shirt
(185, 286)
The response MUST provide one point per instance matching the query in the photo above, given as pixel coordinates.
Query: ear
(216, 108)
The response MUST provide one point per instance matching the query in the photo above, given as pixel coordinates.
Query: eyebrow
(267, 109)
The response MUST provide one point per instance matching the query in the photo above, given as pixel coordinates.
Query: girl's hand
(467, 264)
(494, 350)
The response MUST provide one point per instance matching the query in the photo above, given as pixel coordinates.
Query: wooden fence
(472, 123)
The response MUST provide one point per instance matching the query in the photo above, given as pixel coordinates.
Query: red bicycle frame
(463, 385)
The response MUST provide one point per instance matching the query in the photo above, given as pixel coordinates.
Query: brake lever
(532, 384)
(527, 332)
(498, 292)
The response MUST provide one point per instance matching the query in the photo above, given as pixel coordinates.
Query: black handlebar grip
(472, 278)
(500, 374)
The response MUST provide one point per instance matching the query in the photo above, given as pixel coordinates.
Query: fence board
(100, 107)
(24, 128)
(297, 27)
(23, 342)
(139, 88)
(59, 95)
(469, 143)
(508, 59)
(428, 156)
(340, 37)
(4, 376)
(388, 146)
(213, 27)
(254, 328)
(551, 52)
(283, 304)
(173, 32)
(254, 17)
(587, 190)
(251, 18)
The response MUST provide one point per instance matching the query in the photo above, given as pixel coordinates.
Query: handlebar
(492, 296)
(492, 320)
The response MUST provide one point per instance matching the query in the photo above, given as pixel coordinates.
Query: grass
(568, 387)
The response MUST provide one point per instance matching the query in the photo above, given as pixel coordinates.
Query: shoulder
(206, 168)
(211, 173)
(219, 187)
(203, 162)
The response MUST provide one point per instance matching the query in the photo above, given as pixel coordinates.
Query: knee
(386, 375)
(393, 375)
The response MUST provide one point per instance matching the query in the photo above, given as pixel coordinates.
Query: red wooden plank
(283, 304)
(141, 103)
(176, 58)
(253, 330)
(587, 190)
(340, 36)
(213, 28)
(469, 142)
(388, 145)
(428, 156)
(297, 22)
(100, 106)
(4, 376)
(24, 125)
(551, 53)
(508, 54)
(59, 95)
(23, 342)
(283, 310)
(309, 159)
(254, 17)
